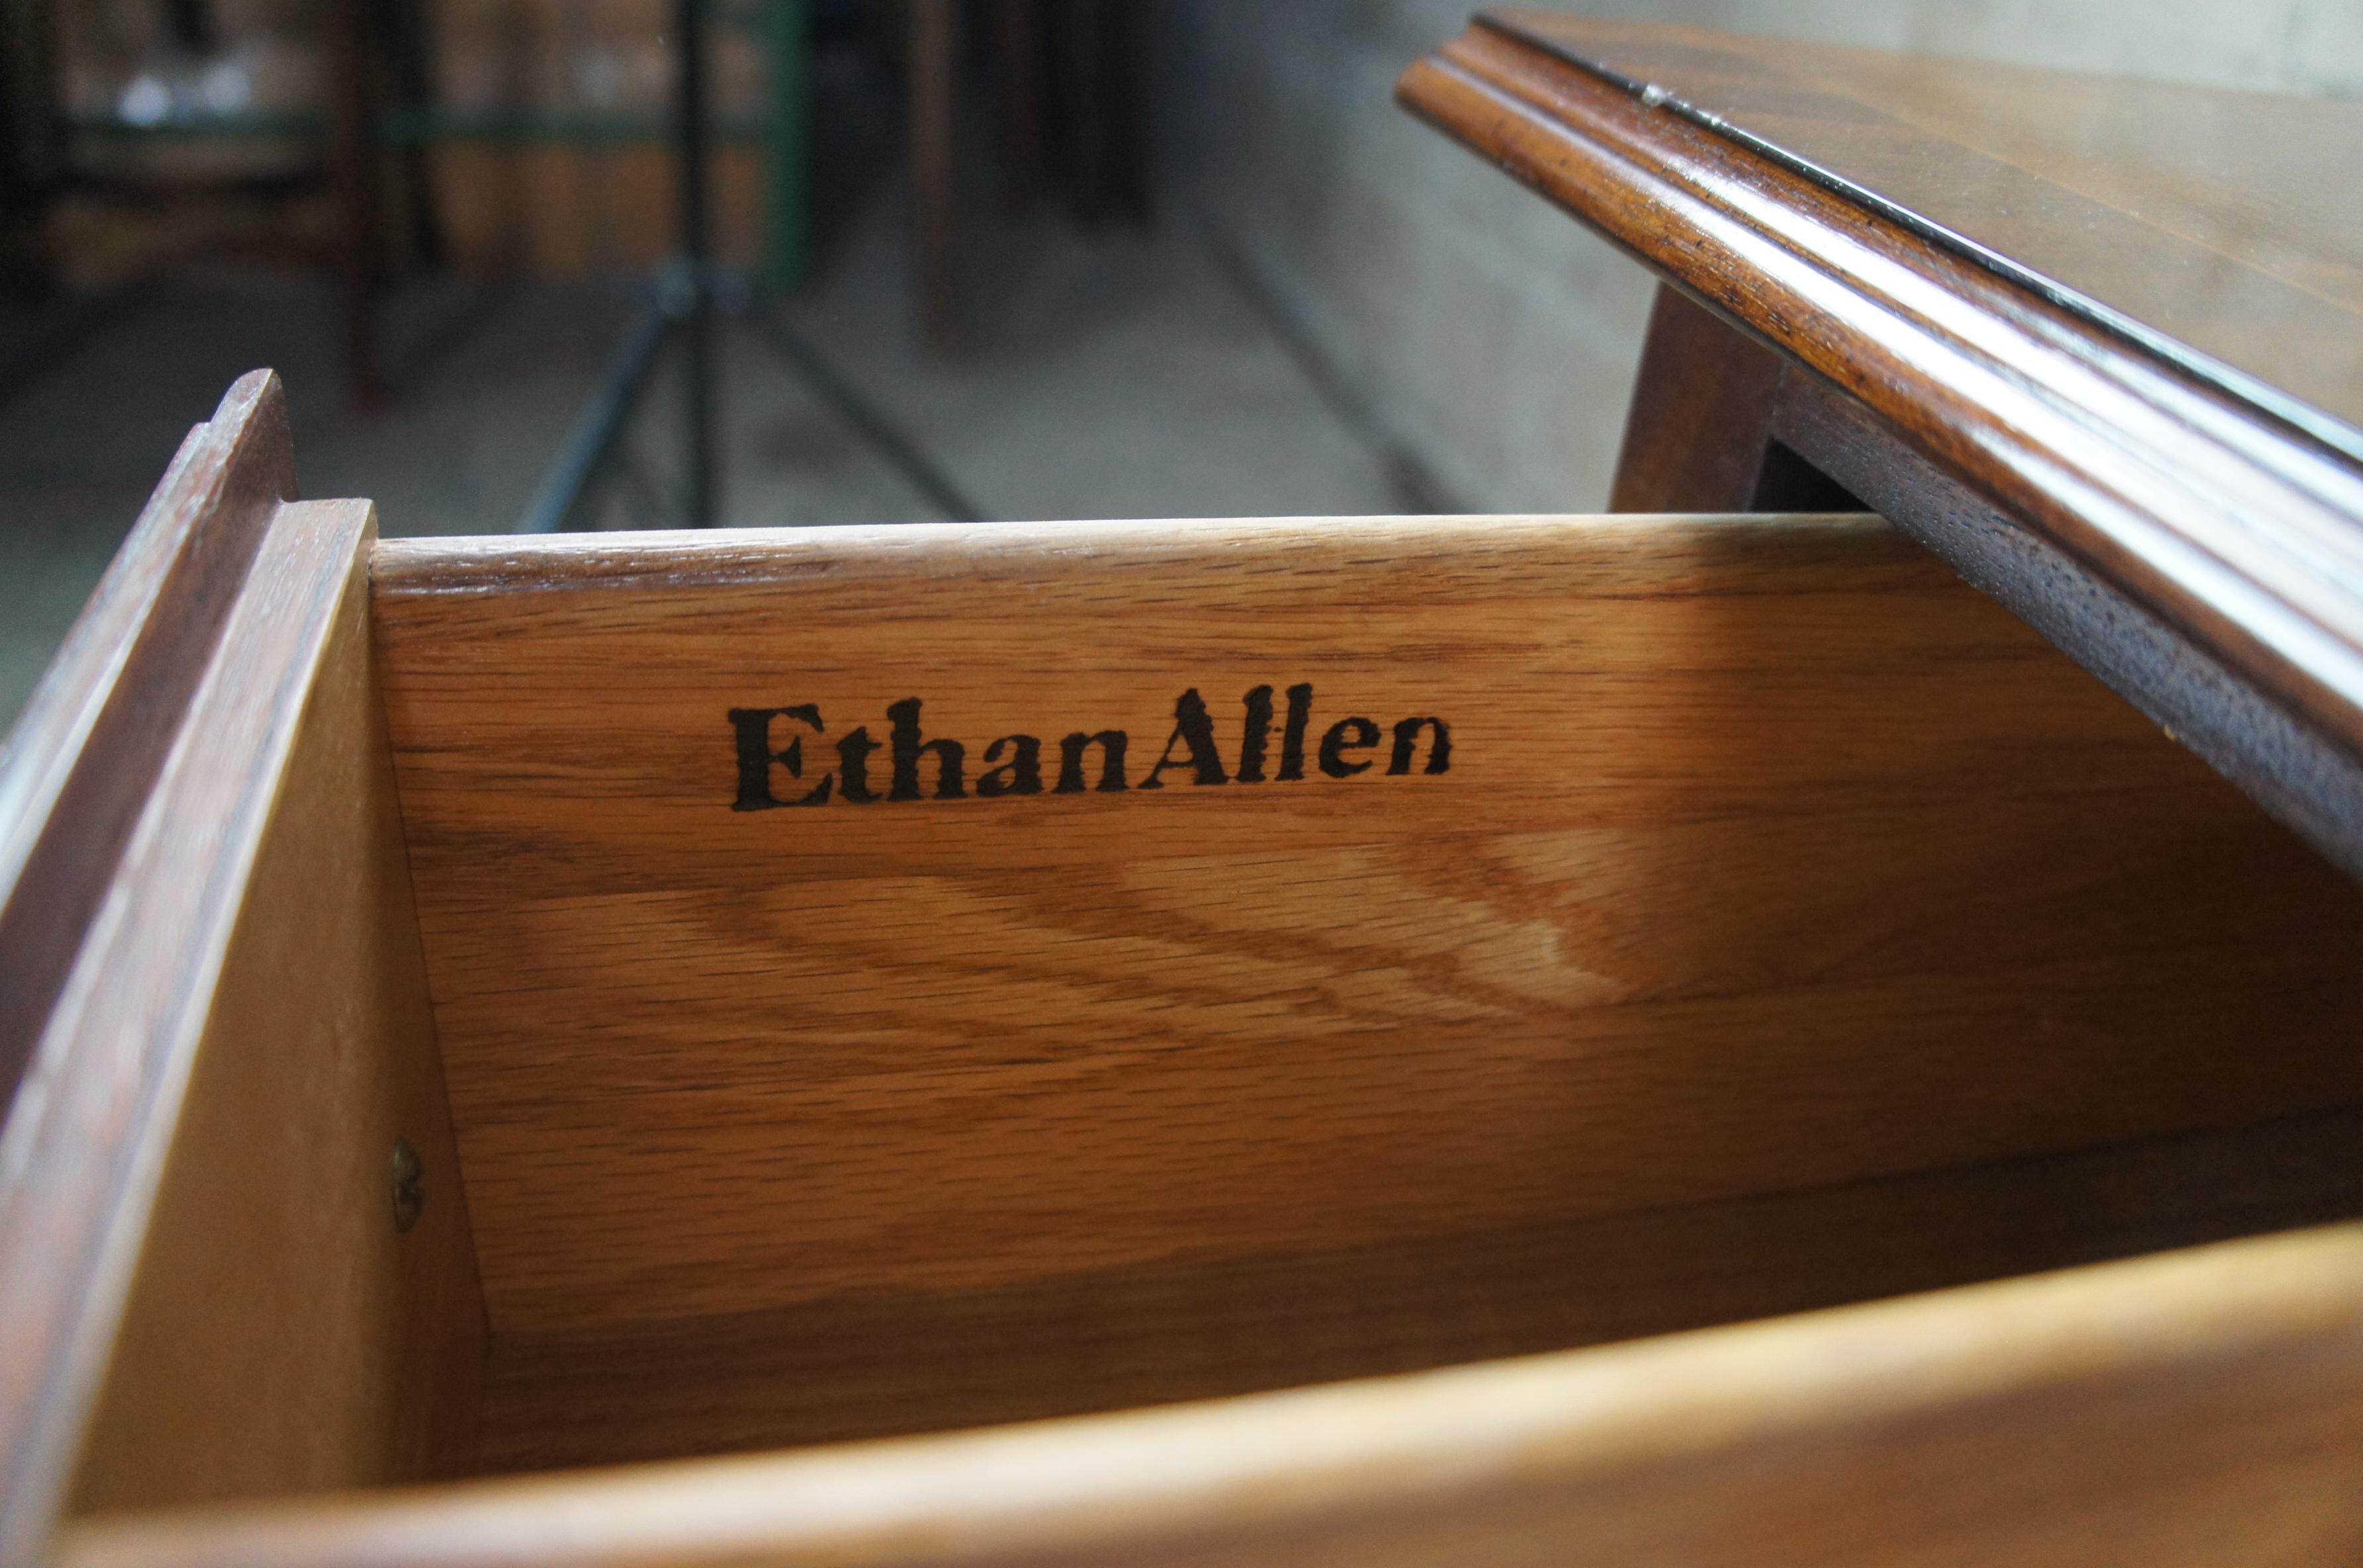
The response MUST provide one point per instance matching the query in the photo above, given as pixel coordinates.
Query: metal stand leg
(685, 312)
(898, 450)
(591, 443)
(934, 49)
(354, 157)
(787, 232)
(689, 128)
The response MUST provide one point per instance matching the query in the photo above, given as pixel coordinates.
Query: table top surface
(2114, 330)
(2221, 230)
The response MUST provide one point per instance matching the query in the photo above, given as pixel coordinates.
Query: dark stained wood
(1701, 415)
(174, 961)
(1717, 413)
(2287, 767)
(90, 742)
(1702, 435)
(2240, 536)
(280, 1333)
(2220, 225)
(1786, 439)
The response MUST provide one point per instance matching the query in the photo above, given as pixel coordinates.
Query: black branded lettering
(1071, 762)
(951, 781)
(1257, 735)
(1193, 731)
(1334, 745)
(756, 757)
(853, 762)
(771, 771)
(1021, 775)
(1292, 736)
(1439, 750)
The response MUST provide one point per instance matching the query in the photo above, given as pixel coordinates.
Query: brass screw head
(409, 1187)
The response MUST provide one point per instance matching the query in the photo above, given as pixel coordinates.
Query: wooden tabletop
(2222, 229)
(2118, 325)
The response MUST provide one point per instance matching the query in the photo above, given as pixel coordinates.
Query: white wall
(1491, 336)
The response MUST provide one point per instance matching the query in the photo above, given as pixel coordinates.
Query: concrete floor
(1113, 375)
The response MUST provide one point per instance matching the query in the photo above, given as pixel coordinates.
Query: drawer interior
(847, 983)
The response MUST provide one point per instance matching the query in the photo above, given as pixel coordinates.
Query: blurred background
(987, 258)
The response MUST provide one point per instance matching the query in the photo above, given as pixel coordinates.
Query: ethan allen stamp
(1093, 760)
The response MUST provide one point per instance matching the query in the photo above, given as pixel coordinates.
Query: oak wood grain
(876, 1365)
(2209, 511)
(2198, 1409)
(280, 1333)
(1769, 856)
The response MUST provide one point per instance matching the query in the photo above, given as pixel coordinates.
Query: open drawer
(614, 1001)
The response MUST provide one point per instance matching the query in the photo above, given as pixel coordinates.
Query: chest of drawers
(1692, 1036)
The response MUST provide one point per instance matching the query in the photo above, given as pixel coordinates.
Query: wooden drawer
(629, 1000)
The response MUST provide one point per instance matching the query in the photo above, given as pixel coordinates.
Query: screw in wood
(409, 1188)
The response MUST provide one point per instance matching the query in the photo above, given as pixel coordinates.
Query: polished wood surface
(2220, 225)
(281, 1333)
(1785, 924)
(2231, 532)
(1719, 417)
(2187, 1411)
(77, 766)
(96, 1019)
(1235, 954)
(1706, 427)
(1768, 856)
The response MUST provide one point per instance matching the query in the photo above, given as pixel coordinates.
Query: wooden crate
(1652, 1039)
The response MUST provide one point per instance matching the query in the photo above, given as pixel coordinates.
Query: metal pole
(595, 429)
(787, 37)
(697, 362)
(934, 50)
(900, 451)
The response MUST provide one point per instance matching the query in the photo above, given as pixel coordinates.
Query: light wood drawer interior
(1636, 924)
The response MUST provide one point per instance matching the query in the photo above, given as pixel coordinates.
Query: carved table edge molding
(2204, 559)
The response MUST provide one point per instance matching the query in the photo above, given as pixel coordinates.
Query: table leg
(1702, 417)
